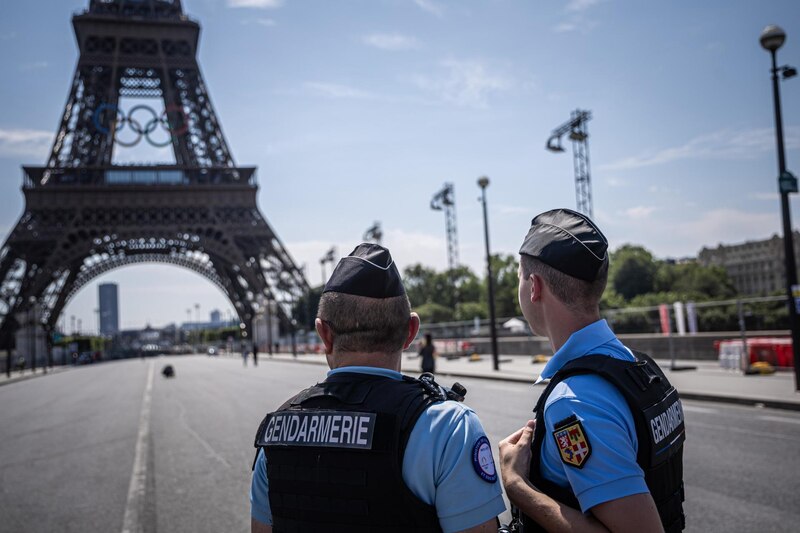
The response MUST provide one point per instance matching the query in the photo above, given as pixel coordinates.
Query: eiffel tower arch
(85, 215)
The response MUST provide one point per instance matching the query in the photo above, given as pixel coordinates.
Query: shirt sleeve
(610, 471)
(259, 492)
(439, 468)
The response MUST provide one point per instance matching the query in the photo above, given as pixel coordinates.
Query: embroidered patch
(482, 460)
(572, 442)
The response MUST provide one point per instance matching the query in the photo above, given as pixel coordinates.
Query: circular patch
(482, 460)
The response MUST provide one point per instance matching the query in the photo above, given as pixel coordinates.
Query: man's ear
(326, 335)
(413, 329)
(537, 285)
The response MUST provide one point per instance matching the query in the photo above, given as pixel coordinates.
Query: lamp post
(771, 39)
(483, 182)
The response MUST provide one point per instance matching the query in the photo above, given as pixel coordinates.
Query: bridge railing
(35, 177)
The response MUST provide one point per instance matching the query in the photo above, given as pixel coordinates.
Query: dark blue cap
(368, 271)
(567, 241)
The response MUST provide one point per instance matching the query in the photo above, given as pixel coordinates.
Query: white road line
(779, 419)
(134, 508)
(696, 409)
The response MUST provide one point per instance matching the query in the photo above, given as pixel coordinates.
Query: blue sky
(359, 110)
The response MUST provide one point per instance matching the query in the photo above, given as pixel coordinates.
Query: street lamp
(483, 182)
(771, 39)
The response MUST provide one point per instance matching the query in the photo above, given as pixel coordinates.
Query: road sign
(787, 182)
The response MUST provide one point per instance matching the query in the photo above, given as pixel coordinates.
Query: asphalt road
(75, 456)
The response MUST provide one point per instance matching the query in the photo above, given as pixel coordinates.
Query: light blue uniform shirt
(611, 471)
(437, 465)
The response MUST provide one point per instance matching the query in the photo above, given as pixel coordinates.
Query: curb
(686, 395)
(16, 379)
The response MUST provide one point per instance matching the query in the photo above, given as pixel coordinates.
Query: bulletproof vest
(658, 418)
(335, 455)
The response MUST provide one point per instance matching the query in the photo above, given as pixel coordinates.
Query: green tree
(632, 271)
(506, 286)
(431, 312)
(695, 281)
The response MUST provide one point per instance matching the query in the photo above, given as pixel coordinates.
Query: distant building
(216, 317)
(109, 308)
(756, 268)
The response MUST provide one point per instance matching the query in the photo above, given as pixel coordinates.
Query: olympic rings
(113, 126)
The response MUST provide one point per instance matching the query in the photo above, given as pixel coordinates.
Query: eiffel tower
(85, 216)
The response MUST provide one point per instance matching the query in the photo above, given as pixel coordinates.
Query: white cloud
(514, 210)
(565, 27)
(390, 41)
(575, 6)
(261, 22)
(337, 91)
(638, 212)
(260, 4)
(30, 143)
(723, 144)
(407, 248)
(768, 196)
(35, 65)
(616, 182)
(464, 83)
(431, 7)
(727, 226)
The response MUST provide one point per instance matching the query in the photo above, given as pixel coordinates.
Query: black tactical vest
(658, 417)
(335, 454)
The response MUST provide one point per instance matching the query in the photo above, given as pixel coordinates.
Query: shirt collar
(385, 372)
(580, 343)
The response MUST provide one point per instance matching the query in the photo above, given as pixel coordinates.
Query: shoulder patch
(482, 460)
(572, 442)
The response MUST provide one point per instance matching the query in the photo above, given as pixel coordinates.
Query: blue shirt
(611, 471)
(437, 466)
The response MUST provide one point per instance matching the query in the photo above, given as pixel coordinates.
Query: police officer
(605, 449)
(370, 449)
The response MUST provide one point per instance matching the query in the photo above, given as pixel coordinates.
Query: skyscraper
(109, 308)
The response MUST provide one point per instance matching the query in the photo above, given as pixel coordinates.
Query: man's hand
(515, 457)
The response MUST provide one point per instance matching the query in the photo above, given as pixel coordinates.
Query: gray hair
(362, 324)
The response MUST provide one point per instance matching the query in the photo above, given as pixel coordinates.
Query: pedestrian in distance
(605, 450)
(369, 449)
(428, 353)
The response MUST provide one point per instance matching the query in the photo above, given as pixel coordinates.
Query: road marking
(134, 508)
(779, 419)
(695, 409)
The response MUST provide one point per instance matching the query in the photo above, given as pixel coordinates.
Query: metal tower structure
(84, 215)
(579, 135)
(374, 233)
(445, 200)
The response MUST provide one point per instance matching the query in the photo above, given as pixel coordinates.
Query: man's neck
(563, 324)
(373, 359)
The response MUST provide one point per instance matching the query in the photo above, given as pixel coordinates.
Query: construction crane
(445, 200)
(329, 257)
(578, 134)
(374, 233)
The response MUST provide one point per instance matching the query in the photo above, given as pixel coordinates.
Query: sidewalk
(27, 374)
(708, 382)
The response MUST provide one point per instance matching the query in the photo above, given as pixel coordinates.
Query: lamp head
(483, 182)
(772, 38)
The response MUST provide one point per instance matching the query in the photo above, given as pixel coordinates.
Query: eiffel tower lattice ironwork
(84, 215)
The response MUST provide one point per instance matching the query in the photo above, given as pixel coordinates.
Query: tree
(695, 281)
(505, 269)
(431, 313)
(632, 271)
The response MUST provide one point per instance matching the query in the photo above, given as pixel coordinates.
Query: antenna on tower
(445, 200)
(578, 134)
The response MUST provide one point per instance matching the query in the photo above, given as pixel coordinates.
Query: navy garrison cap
(567, 241)
(368, 271)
